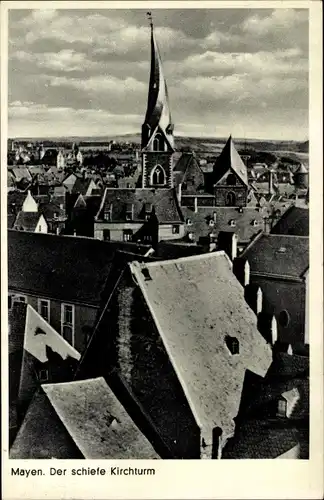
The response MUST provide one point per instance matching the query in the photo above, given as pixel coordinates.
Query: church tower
(157, 129)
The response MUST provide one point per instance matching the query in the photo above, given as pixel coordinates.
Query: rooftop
(164, 202)
(294, 221)
(94, 418)
(27, 221)
(197, 303)
(68, 268)
(230, 159)
(279, 255)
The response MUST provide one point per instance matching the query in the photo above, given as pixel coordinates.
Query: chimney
(215, 217)
(195, 204)
(234, 246)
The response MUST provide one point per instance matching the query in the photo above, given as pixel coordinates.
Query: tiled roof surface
(294, 221)
(196, 302)
(259, 439)
(95, 420)
(72, 269)
(27, 221)
(279, 255)
(244, 222)
(164, 202)
(230, 159)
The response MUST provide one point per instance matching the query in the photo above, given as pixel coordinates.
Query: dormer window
(188, 222)
(255, 223)
(211, 222)
(108, 213)
(148, 209)
(129, 211)
(232, 223)
(232, 344)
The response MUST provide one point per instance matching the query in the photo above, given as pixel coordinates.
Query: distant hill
(198, 144)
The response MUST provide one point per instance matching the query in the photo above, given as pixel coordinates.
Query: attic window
(108, 212)
(282, 250)
(232, 223)
(232, 344)
(129, 211)
(211, 222)
(146, 274)
(240, 210)
(255, 223)
(188, 222)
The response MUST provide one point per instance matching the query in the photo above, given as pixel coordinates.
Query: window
(127, 235)
(44, 308)
(284, 318)
(158, 176)
(106, 234)
(232, 344)
(158, 143)
(129, 211)
(9, 302)
(147, 238)
(232, 223)
(188, 222)
(230, 199)
(108, 212)
(175, 229)
(67, 323)
(282, 408)
(19, 298)
(211, 222)
(43, 375)
(255, 223)
(55, 215)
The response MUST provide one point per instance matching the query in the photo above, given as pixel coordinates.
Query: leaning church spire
(158, 116)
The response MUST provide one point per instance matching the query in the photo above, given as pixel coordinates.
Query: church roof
(158, 113)
(196, 302)
(230, 159)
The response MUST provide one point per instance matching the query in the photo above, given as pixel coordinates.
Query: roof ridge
(219, 253)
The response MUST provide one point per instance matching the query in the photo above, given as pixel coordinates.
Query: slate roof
(230, 159)
(279, 255)
(68, 268)
(244, 228)
(294, 221)
(81, 185)
(95, 420)
(196, 302)
(259, 439)
(27, 221)
(164, 202)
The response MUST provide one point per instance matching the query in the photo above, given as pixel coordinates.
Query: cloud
(65, 60)
(278, 20)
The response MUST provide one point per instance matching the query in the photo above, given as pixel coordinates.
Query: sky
(85, 72)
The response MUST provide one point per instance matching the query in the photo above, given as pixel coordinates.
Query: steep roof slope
(94, 418)
(230, 159)
(294, 221)
(197, 303)
(69, 268)
(278, 255)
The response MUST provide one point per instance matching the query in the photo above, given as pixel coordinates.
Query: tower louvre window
(232, 344)
(158, 143)
(158, 176)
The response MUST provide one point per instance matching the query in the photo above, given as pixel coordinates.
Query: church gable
(230, 179)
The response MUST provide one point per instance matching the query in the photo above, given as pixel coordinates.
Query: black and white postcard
(161, 230)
